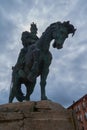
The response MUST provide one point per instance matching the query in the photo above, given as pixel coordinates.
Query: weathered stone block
(41, 115)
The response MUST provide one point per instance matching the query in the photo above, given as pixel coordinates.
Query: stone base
(41, 115)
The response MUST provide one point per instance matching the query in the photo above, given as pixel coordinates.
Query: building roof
(79, 100)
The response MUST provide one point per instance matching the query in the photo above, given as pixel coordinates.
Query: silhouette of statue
(37, 60)
(28, 38)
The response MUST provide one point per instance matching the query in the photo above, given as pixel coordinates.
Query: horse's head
(60, 32)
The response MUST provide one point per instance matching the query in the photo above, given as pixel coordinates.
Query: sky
(67, 80)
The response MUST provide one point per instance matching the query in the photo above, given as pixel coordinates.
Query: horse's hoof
(27, 98)
(44, 98)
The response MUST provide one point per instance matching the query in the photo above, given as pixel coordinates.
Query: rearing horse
(38, 59)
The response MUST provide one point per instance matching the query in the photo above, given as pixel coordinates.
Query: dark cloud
(6, 34)
(67, 78)
(16, 6)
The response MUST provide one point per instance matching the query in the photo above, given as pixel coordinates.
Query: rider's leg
(35, 67)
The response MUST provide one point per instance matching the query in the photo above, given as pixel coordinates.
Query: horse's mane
(58, 24)
(51, 26)
(65, 24)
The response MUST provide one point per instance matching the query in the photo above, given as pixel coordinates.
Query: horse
(38, 59)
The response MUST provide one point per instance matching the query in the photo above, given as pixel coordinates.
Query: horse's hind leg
(30, 88)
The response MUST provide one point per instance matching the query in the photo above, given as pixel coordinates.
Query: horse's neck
(44, 42)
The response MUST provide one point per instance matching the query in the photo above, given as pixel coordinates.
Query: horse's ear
(74, 32)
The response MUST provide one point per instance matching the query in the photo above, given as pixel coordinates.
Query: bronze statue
(28, 38)
(38, 59)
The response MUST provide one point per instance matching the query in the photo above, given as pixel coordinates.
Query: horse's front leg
(43, 83)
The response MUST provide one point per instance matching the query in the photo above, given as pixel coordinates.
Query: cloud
(67, 78)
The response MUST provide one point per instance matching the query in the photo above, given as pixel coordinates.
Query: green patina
(35, 58)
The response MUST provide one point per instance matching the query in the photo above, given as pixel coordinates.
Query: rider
(28, 38)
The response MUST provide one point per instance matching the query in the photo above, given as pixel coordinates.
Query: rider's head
(33, 28)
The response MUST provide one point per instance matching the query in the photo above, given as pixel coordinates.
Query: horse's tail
(10, 87)
(10, 90)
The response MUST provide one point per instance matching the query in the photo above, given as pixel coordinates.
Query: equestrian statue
(35, 58)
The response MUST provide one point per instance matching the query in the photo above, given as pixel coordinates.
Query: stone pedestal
(41, 115)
